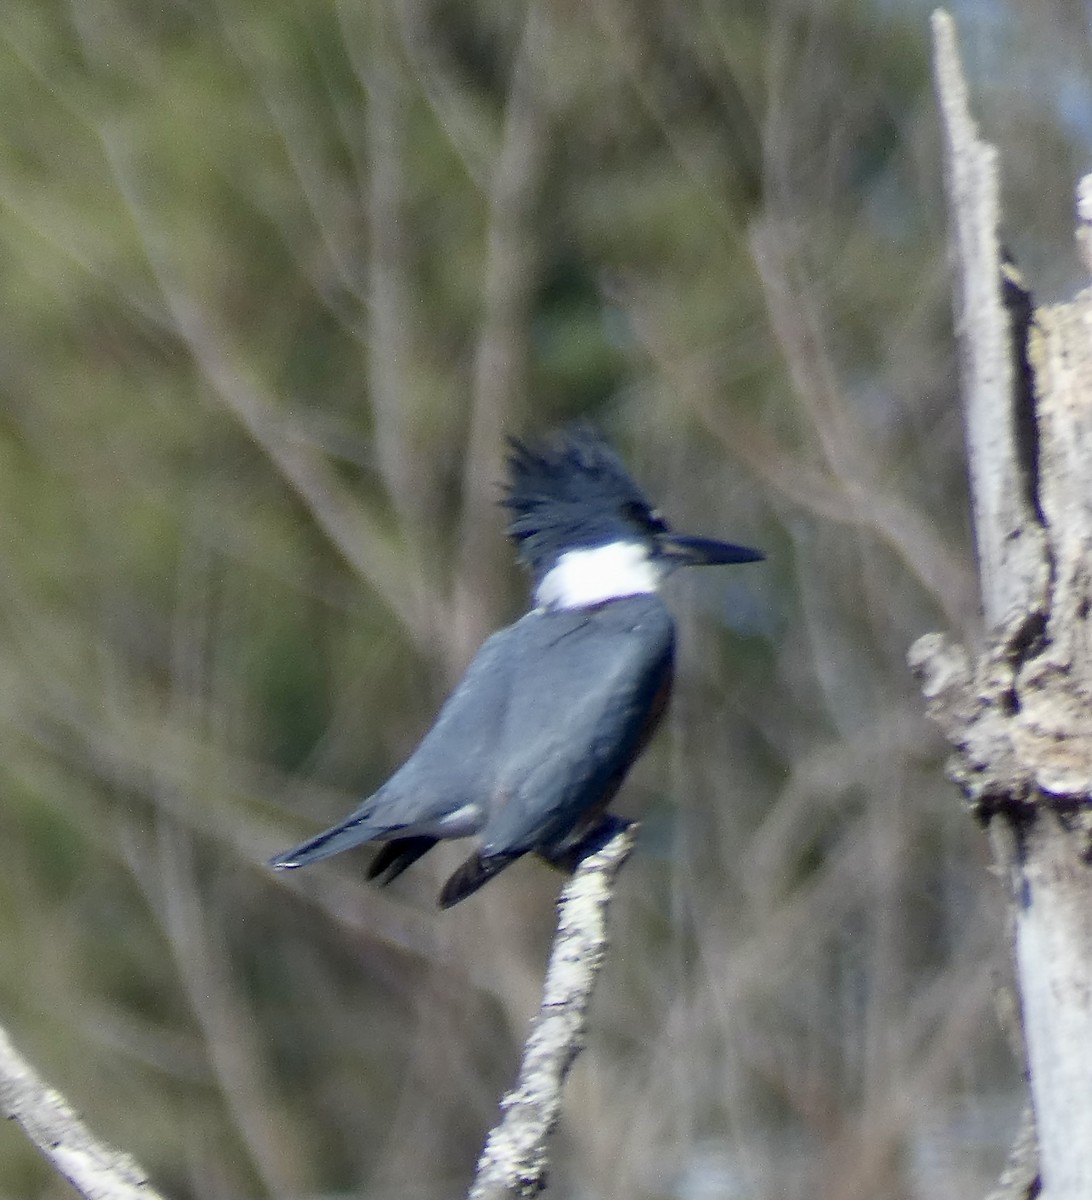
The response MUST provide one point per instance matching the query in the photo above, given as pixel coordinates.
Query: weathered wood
(1056, 722)
(1020, 715)
(1053, 962)
(1012, 560)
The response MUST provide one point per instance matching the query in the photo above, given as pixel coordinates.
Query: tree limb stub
(1019, 716)
(1012, 559)
(513, 1163)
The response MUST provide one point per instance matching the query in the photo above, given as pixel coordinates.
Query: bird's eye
(639, 514)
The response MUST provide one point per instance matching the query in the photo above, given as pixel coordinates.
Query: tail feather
(349, 833)
(395, 856)
(471, 875)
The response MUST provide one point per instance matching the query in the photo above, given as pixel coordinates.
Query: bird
(530, 748)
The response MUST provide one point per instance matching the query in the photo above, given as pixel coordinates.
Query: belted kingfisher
(534, 742)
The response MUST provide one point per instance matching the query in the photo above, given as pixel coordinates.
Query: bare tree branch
(352, 531)
(95, 1170)
(391, 320)
(514, 1160)
(500, 368)
(227, 1026)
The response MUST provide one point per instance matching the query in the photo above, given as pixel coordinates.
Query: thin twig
(500, 368)
(514, 1160)
(229, 1033)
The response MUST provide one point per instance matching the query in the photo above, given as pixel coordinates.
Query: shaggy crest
(570, 492)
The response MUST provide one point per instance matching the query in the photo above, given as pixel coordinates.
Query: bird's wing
(579, 713)
(446, 779)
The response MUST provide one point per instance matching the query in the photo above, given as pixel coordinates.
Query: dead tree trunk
(1019, 713)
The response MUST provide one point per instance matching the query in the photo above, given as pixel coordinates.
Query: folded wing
(589, 690)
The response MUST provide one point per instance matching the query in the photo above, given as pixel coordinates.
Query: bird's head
(586, 530)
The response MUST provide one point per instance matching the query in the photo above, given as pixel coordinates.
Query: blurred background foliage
(275, 280)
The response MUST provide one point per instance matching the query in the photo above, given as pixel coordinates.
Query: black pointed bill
(684, 551)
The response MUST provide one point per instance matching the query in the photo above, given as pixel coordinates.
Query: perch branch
(514, 1161)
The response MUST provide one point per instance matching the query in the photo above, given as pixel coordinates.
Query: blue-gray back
(547, 718)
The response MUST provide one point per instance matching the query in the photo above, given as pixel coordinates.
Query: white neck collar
(586, 577)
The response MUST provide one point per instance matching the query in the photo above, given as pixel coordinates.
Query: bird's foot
(596, 838)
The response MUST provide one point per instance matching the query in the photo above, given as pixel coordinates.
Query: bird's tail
(395, 856)
(353, 832)
(471, 875)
